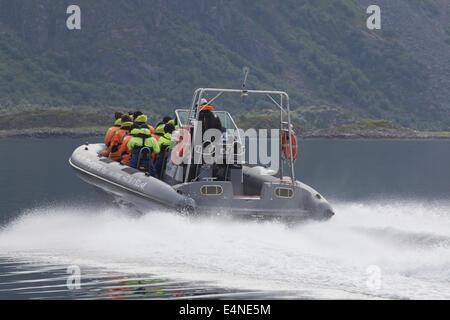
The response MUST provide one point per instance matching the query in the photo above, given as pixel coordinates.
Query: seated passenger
(142, 138)
(174, 122)
(164, 143)
(140, 121)
(136, 114)
(125, 154)
(159, 130)
(111, 131)
(119, 136)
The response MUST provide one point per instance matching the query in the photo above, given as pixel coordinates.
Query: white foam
(408, 241)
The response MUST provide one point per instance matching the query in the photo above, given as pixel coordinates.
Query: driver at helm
(207, 117)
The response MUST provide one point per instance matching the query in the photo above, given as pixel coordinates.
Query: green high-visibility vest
(165, 140)
(138, 140)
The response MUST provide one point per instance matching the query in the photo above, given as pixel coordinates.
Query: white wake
(409, 243)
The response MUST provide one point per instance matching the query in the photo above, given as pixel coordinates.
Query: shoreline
(45, 133)
(374, 134)
(359, 134)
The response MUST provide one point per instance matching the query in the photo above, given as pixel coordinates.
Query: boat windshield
(224, 117)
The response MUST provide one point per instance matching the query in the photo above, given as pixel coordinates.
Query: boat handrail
(284, 101)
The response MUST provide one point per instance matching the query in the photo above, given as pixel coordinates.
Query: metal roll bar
(284, 99)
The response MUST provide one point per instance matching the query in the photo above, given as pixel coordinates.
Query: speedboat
(230, 187)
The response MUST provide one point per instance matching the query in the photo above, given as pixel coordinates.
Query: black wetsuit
(209, 121)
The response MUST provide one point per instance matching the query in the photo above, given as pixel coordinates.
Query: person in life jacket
(164, 143)
(207, 117)
(125, 154)
(142, 138)
(118, 138)
(136, 114)
(140, 121)
(110, 132)
(159, 130)
(208, 121)
(174, 122)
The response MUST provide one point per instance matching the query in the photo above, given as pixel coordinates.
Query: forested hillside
(152, 54)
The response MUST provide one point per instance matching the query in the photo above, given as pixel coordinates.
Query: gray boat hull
(261, 195)
(130, 184)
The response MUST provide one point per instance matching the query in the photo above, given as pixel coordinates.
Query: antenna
(244, 93)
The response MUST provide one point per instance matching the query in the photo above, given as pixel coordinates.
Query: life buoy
(181, 149)
(285, 145)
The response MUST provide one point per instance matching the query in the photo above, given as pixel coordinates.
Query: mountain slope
(153, 54)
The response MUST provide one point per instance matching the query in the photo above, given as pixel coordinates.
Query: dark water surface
(392, 203)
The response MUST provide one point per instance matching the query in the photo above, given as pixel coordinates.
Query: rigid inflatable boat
(235, 187)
